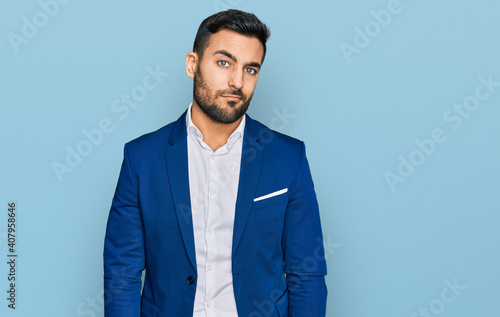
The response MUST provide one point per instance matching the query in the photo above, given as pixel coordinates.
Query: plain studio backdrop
(397, 102)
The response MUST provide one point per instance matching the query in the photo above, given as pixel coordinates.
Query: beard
(207, 102)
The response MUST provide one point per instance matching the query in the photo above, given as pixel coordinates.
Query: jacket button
(190, 280)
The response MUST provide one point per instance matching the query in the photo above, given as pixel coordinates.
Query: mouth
(231, 97)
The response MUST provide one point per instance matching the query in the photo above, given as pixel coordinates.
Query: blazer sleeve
(124, 248)
(304, 260)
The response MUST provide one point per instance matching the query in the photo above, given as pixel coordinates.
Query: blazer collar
(178, 132)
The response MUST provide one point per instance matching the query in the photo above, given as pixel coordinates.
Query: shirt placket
(210, 235)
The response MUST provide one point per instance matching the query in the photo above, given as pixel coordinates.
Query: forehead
(244, 48)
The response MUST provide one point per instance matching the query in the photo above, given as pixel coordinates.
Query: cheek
(219, 80)
(214, 77)
(249, 87)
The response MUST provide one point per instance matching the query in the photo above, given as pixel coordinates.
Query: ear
(191, 64)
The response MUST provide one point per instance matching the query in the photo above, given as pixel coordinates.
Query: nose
(236, 79)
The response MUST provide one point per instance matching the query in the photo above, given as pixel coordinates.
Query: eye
(251, 71)
(223, 63)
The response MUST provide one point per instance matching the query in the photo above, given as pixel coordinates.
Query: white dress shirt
(213, 186)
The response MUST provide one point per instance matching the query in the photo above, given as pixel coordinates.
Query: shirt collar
(194, 131)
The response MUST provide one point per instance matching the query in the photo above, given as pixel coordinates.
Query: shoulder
(158, 140)
(273, 140)
(150, 141)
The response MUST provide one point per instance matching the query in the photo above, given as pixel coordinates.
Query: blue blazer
(278, 259)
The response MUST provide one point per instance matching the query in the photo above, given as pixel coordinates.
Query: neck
(215, 134)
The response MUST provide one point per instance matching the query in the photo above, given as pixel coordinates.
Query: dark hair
(235, 20)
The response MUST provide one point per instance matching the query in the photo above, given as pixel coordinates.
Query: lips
(232, 97)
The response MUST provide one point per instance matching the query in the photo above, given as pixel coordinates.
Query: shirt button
(190, 280)
(212, 194)
(212, 157)
(209, 304)
(209, 267)
(209, 232)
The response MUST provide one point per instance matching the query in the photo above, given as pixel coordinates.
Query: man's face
(226, 76)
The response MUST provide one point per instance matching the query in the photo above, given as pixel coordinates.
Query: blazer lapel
(176, 156)
(251, 164)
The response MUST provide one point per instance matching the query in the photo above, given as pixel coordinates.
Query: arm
(304, 260)
(124, 248)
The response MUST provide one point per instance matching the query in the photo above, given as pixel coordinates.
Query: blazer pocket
(148, 309)
(270, 199)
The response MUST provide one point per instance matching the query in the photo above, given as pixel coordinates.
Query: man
(219, 210)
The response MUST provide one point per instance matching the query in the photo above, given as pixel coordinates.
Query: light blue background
(388, 251)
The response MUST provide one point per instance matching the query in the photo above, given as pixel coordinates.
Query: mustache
(238, 93)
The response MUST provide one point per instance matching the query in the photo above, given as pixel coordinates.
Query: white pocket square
(276, 193)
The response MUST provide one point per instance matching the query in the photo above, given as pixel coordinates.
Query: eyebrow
(226, 53)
